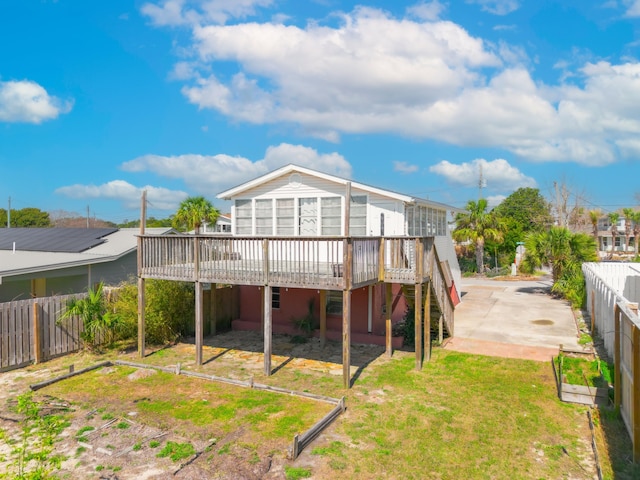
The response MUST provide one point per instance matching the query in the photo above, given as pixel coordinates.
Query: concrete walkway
(515, 319)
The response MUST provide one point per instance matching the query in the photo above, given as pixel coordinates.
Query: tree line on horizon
(488, 238)
(189, 216)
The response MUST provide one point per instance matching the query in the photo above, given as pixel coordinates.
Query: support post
(381, 255)
(213, 308)
(388, 302)
(418, 300)
(346, 338)
(267, 329)
(427, 321)
(141, 286)
(198, 288)
(346, 305)
(37, 333)
(323, 318)
(199, 322)
(418, 325)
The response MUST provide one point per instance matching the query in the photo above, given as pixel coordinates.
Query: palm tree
(98, 322)
(559, 248)
(478, 225)
(193, 212)
(565, 252)
(628, 218)
(613, 218)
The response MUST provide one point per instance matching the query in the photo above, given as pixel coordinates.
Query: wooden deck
(323, 263)
(316, 262)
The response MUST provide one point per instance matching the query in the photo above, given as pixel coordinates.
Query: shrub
(169, 309)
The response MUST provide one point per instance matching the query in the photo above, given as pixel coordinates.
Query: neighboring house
(607, 246)
(222, 225)
(40, 262)
(293, 252)
(295, 201)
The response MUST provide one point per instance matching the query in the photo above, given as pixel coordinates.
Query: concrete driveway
(517, 319)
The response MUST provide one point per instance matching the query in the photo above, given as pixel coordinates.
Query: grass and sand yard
(461, 416)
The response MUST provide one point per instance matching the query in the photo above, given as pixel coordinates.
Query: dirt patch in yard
(122, 419)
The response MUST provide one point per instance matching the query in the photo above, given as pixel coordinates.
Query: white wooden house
(292, 251)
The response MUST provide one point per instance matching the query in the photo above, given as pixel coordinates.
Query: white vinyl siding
(264, 217)
(331, 215)
(308, 217)
(358, 216)
(285, 216)
(244, 217)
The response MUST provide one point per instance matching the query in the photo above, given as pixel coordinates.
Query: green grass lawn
(461, 417)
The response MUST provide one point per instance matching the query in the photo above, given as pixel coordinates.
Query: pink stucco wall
(294, 304)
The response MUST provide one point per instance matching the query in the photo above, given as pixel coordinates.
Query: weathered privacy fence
(29, 331)
(615, 319)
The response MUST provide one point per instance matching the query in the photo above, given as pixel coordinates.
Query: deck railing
(287, 261)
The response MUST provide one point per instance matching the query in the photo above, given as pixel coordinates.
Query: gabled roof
(291, 168)
(111, 247)
(70, 240)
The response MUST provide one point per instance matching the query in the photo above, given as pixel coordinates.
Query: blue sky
(101, 100)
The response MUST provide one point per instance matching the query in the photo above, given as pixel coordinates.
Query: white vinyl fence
(613, 291)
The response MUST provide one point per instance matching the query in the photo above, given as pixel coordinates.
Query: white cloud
(633, 8)
(495, 200)
(28, 102)
(497, 7)
(188, 12)
(497, 174)
(375, 73)
(330, 80)
(129, 195)
(404, 167)
(426, 10)
(211, 174)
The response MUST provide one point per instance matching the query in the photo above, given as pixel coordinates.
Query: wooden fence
(615, 319)
(30, 333)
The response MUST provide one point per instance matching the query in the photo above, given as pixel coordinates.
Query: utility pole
(480, 181)
(9, 214)
(87, 216)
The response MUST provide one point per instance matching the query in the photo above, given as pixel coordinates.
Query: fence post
(636, 393)
(593, 313)
(617, 355)
(37, 334)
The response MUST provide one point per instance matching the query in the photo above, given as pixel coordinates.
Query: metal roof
(67, 240)
(114, 246)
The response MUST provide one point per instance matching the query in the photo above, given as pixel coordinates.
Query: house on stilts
(356, 254)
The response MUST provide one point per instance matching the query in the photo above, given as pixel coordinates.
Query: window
(243, 217)
(264, 217)
(308, 217)
(411, 231)
(334, 302)
(275, 297)
(618, 243)
(284, 216)
(330, 211)
(423, 221)
(358, 215)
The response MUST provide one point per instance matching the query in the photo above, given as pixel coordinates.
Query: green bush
(169, 309)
